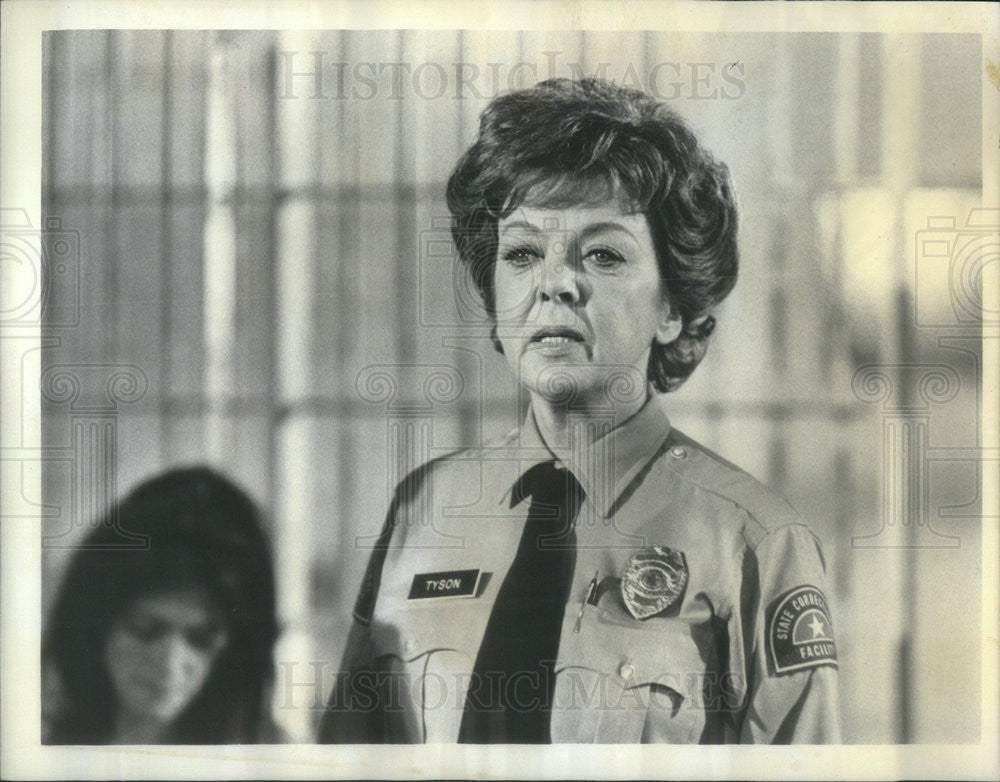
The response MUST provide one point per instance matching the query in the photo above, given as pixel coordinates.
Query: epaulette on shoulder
(706, 469)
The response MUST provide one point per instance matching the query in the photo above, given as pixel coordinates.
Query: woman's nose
(560, 282)
(177, 658)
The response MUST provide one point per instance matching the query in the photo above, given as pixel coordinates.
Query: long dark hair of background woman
(204, 533)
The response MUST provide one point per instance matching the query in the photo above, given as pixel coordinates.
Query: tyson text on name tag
(448, 583)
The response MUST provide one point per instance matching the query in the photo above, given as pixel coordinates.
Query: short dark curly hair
(565, 142)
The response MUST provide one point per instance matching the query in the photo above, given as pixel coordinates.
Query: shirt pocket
(425, 654)
(624, 681)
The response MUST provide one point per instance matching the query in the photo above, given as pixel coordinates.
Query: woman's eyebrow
(522, 224)
(591, 228)
(607, 225)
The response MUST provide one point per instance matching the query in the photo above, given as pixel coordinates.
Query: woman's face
(579, 300)
(161, 650)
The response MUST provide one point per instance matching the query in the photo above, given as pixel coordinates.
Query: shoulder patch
(800, 631)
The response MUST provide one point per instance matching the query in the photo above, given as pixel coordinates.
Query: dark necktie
(510, 694)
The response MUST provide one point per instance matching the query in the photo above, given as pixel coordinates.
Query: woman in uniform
(163, 628)
(597, 576)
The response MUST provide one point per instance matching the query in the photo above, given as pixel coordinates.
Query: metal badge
(653, 580)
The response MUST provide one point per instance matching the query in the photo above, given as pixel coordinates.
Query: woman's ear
(669, 327)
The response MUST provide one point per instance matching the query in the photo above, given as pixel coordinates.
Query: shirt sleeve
(365, 706)
(788, 625)
(369, 702)
(350, 716)
(350, 712)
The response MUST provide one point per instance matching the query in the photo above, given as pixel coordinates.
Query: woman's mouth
(553, 335)
(556, 341)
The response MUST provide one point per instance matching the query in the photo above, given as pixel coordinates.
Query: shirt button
(678, 453)
(627, 671)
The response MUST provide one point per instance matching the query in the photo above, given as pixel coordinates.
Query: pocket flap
(660, 651)
(412, 630)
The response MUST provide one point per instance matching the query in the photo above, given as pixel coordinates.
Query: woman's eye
(603, 256)
(145, 630)
(205, 638)
(520, 256)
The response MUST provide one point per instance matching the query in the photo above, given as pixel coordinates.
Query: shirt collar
(607, 466)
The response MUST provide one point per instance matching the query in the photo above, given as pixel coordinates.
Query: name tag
(449, 583)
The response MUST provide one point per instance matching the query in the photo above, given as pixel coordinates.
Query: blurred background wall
(264, 282)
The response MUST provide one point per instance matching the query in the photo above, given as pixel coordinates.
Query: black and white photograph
(611, 384)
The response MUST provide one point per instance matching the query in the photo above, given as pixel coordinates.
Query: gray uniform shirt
(746, 654)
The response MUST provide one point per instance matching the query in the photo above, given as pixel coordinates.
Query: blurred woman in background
(168, 641)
